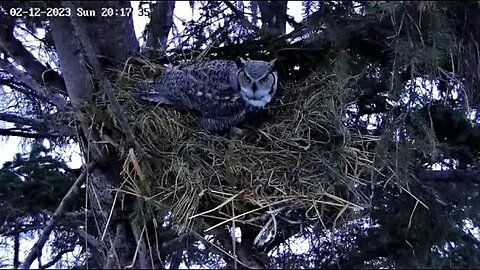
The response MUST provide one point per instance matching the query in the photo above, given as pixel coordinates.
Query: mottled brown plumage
(224, 92)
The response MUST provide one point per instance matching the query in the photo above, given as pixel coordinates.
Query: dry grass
(303, 158)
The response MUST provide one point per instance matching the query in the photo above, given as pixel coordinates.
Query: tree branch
(92, 53)
(43, 127)
(16, 250)
(9, 229)
(78, 81)
(22, 134)
(142, 251)
(274, 15)
(216, 249)
(161, 23)
(26, 79)
(241, 16)
(451, 176)
(374, 251)
(114, 36)
(56, 258)
(14, 47)
(69, 197)
(24, 89)
(93, 243)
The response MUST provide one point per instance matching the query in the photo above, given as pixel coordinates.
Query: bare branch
(449, 176)
(69, 197)
(9, 229)
(24, 89)
(241, 16)
(42, 126)
(42, 75)
(57, 258)
(23, 134)
(141, 254)
(25, 78)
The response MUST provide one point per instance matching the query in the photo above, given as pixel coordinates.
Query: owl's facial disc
(257, 92)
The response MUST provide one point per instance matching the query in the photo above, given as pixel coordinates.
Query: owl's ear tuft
(274, 64)
(240, 63)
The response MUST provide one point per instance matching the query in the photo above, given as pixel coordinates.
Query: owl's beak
(254, 87)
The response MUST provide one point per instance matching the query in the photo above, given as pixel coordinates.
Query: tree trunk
(273, 16)
(160, 24)
(115, 39)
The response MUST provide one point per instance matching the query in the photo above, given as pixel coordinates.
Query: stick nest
(302, 164)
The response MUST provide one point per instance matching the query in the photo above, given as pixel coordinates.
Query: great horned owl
(224, 92)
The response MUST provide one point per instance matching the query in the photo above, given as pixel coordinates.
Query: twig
(141, 250)
(37, 248)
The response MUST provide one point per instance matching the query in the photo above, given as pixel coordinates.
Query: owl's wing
(212, 77)
(204, 87)
(146, 92)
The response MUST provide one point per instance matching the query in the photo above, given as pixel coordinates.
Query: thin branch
(12, 231)
(95, 246)
(241, 16)
(12, 118)
(141, 254)
(42, 74)
(23, 88)
(57, 258)
(216, 249)
(374, 251)
(69, 197)
(16, 250)
(37, 135)
(41, 126)
(26, 79)
(447, 176)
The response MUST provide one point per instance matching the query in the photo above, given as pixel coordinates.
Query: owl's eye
(243, 77)
(265, 79)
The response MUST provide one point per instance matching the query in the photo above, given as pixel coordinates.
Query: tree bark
(116, 42)
(42, 74)
(274, 15)
(114, 35)
(160, 24)
(39, 125)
